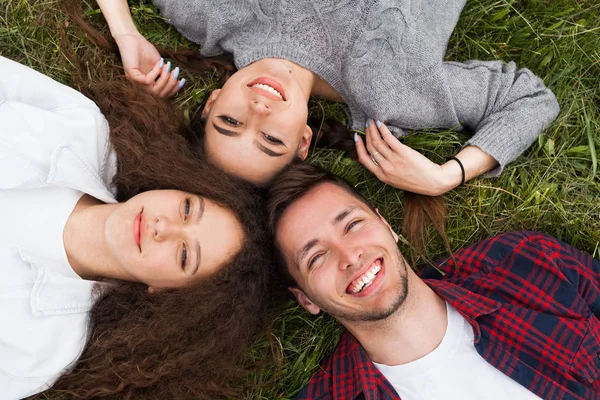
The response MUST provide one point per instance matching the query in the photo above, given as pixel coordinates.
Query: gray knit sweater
(385, 58)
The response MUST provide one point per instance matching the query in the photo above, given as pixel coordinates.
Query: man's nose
(350, 255)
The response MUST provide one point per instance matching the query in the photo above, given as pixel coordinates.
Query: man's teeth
(367, 279)
(268, 89)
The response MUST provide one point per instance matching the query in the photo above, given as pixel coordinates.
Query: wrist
(452, 175)
(124, 29)
(118, 17)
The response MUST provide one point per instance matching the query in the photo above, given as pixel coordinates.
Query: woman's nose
(165, 229)
(261, 107)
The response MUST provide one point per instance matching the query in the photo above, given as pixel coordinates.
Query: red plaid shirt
(533, 302)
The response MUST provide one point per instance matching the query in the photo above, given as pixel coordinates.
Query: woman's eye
(272, 139)
(183, 256)
(229, 121)
(186, 212)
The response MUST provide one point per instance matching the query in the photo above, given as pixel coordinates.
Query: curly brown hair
(178, 343)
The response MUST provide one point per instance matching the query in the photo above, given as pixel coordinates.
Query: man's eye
(353, 224)
(312, 261)
(229, 121)
(186, 212)
(272, 139)
(183, 256)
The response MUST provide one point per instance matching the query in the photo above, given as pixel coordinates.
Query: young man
(511, 317)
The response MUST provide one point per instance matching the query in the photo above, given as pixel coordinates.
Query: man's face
(342, 255)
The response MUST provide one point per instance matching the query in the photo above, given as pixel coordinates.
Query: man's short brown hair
(293, 183)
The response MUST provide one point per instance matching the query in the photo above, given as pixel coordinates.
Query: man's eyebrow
(301, 254)
(342, 215)
(304, 251)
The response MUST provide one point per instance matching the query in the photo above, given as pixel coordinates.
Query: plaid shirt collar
(360, 374)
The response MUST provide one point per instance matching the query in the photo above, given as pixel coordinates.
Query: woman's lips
(269, 82)
(137, 233)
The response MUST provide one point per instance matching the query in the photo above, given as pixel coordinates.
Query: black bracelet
(462, 182)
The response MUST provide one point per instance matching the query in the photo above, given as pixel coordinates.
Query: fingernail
(181, 83)
(367, 123)
(378, 123)
(176, 73)
(169, 67)
(161, 63)
(355, 137)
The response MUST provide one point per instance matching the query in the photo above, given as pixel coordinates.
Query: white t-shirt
(53, 148)
(34, 220)
(454, 370)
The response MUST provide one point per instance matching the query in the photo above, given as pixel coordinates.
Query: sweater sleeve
(505, 107)
(204, 22)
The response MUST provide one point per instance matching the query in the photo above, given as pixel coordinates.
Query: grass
(553, 188)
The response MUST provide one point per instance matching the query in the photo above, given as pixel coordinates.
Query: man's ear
(394, 234)
(210, 102)
(304, 301)
(304, 144)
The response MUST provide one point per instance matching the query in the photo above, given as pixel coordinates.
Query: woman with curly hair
(129, 268)
(383, 58)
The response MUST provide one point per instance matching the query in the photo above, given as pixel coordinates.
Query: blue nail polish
(176, 73)
(355, 137)
(161, 63)
(378, 123)
(367, 123)
(181, 83)
(168, 67)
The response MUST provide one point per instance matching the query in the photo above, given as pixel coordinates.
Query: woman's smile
(269, 88)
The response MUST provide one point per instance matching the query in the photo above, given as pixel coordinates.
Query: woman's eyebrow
(260, 146)
(224, 131)
(266, 150)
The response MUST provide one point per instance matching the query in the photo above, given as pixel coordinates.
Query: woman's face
(256, 124)
(169, 238)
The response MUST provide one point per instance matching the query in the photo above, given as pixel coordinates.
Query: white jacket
(53, 141)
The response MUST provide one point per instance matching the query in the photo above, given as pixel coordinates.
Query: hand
(400, 166)
(143, 64)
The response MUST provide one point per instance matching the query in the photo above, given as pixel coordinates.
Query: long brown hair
(178, 343)
(420, 211)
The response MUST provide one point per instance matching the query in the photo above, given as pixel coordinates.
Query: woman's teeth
(268, 89)
(367, 279)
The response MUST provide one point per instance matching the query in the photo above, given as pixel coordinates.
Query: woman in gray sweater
(383, 58)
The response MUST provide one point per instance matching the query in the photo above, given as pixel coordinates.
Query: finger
(393, 142)
(154, 72)
(370, 133)
(162, 80)
(365, 158)
(145, 79)
(171, 85)
(177, 88)
(173, 92)
(378, 144)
